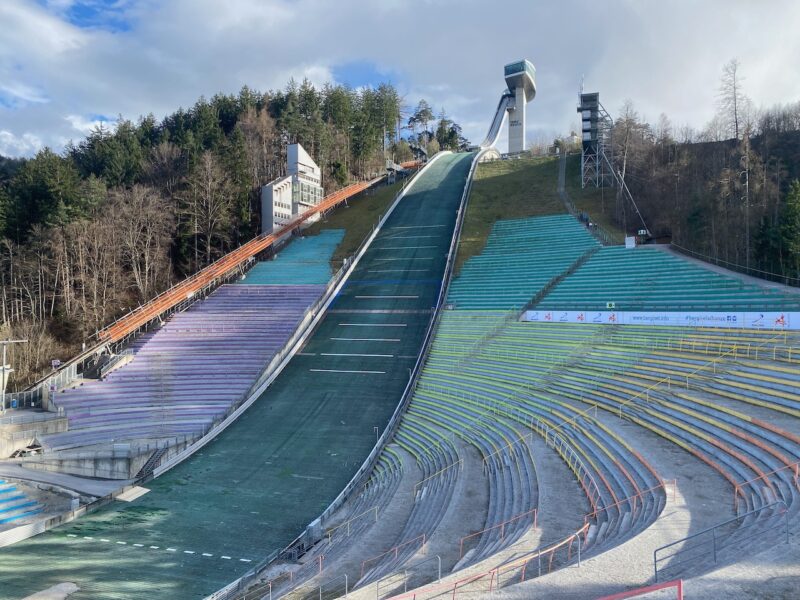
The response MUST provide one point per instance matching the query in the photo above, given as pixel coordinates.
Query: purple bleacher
(189, 372)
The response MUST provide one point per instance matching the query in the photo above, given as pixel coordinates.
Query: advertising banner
(728, 320)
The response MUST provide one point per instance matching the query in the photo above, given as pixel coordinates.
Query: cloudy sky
(66, 65)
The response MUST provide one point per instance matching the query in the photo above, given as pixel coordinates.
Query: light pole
(5, 369)
(746, 172)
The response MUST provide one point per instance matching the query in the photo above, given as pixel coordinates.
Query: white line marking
(397, 270)
(139, 545)
(171, 550)
(245, 560)
(404, 247)
(386, 297)
(104, 540)
(71, 535)
(414, 226)
(153, 547)
(408, 258)
(225, 557)
(373, 324)
(188, 551)
(207, 554)
(123, 543)
(366, 339)
(365, 355)
(307, 477)
(345, 371)
(88, 538)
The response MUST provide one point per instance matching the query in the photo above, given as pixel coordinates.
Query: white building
(289, 196)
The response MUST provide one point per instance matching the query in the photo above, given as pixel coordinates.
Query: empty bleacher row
(549, 377)
(15, 505)
(510, 391)
(306, 260)
(187, 373)
(650, 278)
(520, 258)
(491, 381)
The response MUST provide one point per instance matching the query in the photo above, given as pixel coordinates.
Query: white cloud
(84, 126)
(666, 57)
(24, 145)
(20, 91)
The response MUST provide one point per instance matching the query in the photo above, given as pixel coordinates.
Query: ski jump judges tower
(596, 127)
(521, 81)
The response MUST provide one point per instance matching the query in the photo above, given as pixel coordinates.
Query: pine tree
(790, 226)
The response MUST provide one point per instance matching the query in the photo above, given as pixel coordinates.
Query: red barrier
(677, 584)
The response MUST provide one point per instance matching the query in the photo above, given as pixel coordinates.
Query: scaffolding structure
(596, 151)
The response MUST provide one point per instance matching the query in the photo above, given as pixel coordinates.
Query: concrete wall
(14, 436)
(109, 464)
(516, 122)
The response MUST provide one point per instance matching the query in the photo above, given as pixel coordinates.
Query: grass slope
(507, 189)
(357, 219)
(598, 203)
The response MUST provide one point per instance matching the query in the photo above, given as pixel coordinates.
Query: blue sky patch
(96, 14)
(362, 73)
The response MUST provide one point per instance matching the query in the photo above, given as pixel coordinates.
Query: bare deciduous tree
(208, 205)
(732, 104)
(146, 223)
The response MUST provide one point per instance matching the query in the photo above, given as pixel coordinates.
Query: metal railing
(792, 469)
(26, 399)
(533, 514)
(390, 581)
(114, 362)
(728, 535)
(603, 236)
(752, 272)
(346, 525)
(421, 539)
(515, 571)
(26, 417)
(675, 583)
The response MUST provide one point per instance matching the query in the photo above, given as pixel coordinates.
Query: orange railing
(395, 551)
(737, 489)
(452, 588)
(677, 584)
(533, 512)
(218, 269)
(632, 499)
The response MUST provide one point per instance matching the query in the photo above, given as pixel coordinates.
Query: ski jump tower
(521, 81)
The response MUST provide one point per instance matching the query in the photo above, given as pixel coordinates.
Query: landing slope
(255, 487)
